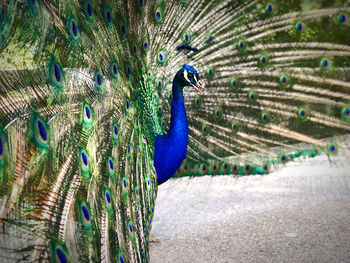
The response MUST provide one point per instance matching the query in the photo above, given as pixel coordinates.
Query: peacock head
(188, 76)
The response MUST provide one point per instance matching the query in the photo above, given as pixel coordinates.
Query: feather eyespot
(343, 19)
(133, 48)
(114, 70)
(124, 183)
(148, 183)
(160, 109)
(247, 168)
(197, 102)
(110, 167)
(345, 113)
(242, 45)
(58, 252)
(87, 114)
(162, 56)
(332, 148)
(115, 131)
(98, 79)
(55, 73)
(85, 213)
(84, 163)
(326, 64)
(234, 127)
(89, 9)
(84, 158)
(282, 158)
(264, 61)
(300, 26)
(265, 117)
(73, 28)
(252, 97)
(142, 66)
(317, 150)
(40, 131)
(109, 17)
(160, 83)
(235, 168)
(266, 168)
(129, 148)
(205, 130)
(150, 74)
(225, 168)
(138, 149)
(271, 8)
(163, 124)
(108, 200)
(158, 14)
(203, 169)
(303, 114)
(234, 84)
(61, 256)
(218, 113)
(127, 71)
(210, 73)
(185, 168)
(285, 81)
(187, 37)
(214, 168)
(145, 42)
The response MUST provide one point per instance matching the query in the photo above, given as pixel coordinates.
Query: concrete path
(297, 214)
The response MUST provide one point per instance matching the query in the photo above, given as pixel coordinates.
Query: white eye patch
(195, 78)
(186, 75)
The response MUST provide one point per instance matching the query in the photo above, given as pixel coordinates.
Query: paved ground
(297, 214)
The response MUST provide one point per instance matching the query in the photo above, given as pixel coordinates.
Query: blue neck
(178, 121)
(170, 149)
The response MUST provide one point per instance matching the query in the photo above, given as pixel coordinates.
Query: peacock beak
(199, 86)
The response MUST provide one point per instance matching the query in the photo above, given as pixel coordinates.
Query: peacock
(102, 101)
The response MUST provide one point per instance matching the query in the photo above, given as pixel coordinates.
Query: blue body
(170, 148)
